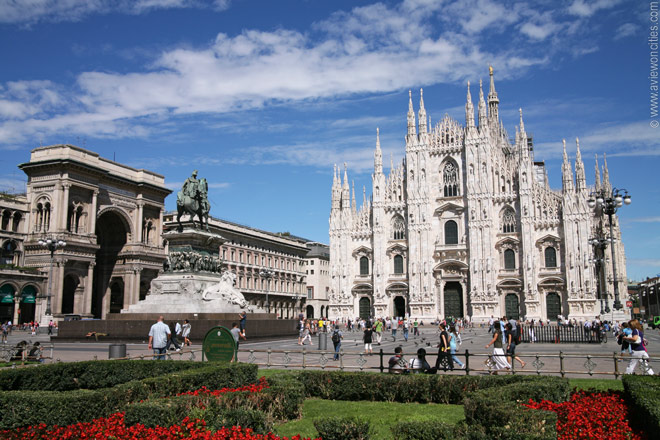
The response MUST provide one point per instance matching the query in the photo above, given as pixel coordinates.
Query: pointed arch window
(42, 217)
(509, 259)
(398, 264)
(451, 232)
(364, 266)
(550, 257)
(398, 229)
(450, 180)
(509, 221)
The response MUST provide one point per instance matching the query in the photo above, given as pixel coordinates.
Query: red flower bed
(590, 416)
(113, 427)
(253, 388)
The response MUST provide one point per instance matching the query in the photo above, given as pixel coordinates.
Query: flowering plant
(113, 427)
(589, 415)
(252, 388)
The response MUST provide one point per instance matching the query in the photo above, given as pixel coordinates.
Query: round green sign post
(219, 345)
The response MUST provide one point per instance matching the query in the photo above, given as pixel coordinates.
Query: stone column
(441, 299)
(129, 284)
(92, 212)
(89, 292)
(159, 228)
(135, 291)
(17, 306)
(64, 206)
(465, 296)
(139, 221)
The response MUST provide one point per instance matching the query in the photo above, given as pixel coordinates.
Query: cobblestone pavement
(286, 353)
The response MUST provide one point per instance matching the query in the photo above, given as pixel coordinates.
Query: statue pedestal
(194, 281)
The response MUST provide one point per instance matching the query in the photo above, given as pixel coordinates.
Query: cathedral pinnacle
(597, 175)
(567, 172)
(378, 155)
(411, 116)
(607, 186)
(493, 102)
(483, 117)
(580, 178)
(522, 124)
(469, 108)
(422, 113)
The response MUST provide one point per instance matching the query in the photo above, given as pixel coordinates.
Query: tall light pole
(267, 274)
(609, 203)
(51, 244)
(600, 244)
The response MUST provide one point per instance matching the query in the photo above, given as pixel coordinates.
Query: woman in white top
(419, 364)
(185, 332)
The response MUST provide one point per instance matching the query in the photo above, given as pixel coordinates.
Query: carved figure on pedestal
(193, 199)
(225, 291)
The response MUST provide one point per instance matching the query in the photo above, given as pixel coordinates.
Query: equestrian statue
(193, 199)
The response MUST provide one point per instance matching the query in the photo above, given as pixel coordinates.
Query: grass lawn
(382, 415)
(597, 384)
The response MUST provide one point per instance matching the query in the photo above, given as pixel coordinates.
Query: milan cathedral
(467, 225)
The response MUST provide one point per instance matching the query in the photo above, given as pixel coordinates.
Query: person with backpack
(336, 341)
(367, 339)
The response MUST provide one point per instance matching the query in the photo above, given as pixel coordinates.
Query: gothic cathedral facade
(467, 225)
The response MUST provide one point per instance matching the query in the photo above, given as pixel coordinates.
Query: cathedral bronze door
(365, 308)
(552, 306)
(453, 300)
(399, 306)
(512, 306)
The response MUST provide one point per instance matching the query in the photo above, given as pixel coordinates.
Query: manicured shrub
(88, 375)
(419, 388)
(423, 430)
(643, 396)
(342, 428)
(53, 407)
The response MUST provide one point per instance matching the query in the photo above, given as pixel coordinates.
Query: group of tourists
(164, 337)
(630, 336)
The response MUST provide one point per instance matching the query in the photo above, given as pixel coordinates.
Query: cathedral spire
(353, 204)
(580, 178)
(345, 190)
(522, 123)
(422, 113)
(378, 155)
(469, 109)
(567, 172)
(597, 184)
(483, 117)
(493, 101)
(607, 186)
(364, 196)
(411, 116)
(336, 190)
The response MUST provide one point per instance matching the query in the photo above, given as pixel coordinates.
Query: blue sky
(263, 97)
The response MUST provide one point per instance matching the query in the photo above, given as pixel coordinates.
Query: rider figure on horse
(193, 199)
(190, 185)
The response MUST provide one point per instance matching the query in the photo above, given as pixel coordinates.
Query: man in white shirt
(158, 336)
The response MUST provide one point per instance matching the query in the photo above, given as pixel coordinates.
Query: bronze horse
(197, 205)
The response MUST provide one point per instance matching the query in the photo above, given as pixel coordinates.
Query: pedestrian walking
(367, 338)
(237, 333)
(638, 345)
(444, 350)
(336, 341)
(395, 326)
(175, 329)
(159, 333)
(454, 342)
(498, 357)
(185, 332)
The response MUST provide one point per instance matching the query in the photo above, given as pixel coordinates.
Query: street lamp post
(609, 203)
(51, 244)
(267, 274)
(600, 244)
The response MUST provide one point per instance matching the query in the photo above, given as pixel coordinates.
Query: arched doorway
(116, 297)
(68, 293)
(28, 304)
(323, 312)
(552, 306)
(512, 306)
(453, 293)
(365, 308)
(310, 312)
(7, 292)
(111, 233)
(399, 306)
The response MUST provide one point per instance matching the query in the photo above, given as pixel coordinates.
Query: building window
(550, 257)
(398, 264)
(451, 232)
(450, 180)
(311, 262)
(364, 266)
(311, 272)
(509, 259)
(310, 293)
(509, 221)
(233, 256)
(8, 252)
(42, 217)
(398, 228)
(6, 218)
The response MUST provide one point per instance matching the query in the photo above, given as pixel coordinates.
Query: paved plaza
(286, 353)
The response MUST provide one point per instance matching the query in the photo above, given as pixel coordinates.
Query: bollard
(117, 351)
(323, 341)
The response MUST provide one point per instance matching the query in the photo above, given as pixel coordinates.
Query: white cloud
(29, 12)
(585, 8)
(625, 30)
(13, 185)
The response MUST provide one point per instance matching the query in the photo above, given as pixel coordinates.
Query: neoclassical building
(467, 225)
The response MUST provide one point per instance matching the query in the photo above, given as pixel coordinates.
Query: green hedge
(24, 408)
(501, 415)
(90, 375)
(281, 401)
(343, 428)
(423, 430)
(643, 396)
(422, 388)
